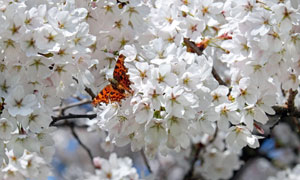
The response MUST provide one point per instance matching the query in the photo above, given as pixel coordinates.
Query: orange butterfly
(116, 90)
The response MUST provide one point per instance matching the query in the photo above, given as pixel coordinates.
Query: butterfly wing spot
(109, 94)
(120, 74)
(102, 96)
(116, 95)
(115, 91)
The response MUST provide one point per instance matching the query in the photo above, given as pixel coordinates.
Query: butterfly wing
(109, 94)
(120, 74)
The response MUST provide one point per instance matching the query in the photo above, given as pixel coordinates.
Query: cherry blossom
(202, 72)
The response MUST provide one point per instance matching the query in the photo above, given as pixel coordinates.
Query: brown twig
(198, 148)
(289, 111)
(87, 89)
(199, 52)
(90, 92)
(190, 173)
(193, 46)
(72, 116)
(217, 77)
(67, 125)
(71, 105)
(291, 102)
(72, 127)
(146, 161)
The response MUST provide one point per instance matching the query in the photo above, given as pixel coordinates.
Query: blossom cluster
(177, 100)
(113, 168)
(289, 174)
(44, 58)
(176, 96)
(49, 52)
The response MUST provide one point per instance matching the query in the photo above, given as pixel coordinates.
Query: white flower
(34, 166)
(28, 44)
(20, 104)
(6, 128)
(107, 145)
(36, 121)
(156, 132)
(193, 28)
(177, 133)
(204, 122)
(214, 164)
(7, 84)
(3, 155)
(286, 16)
(266, 102)
(140, 74)
(262, 23)
(288, 174)
(219, 95)
(62, 21)
(109, 112)
(271, 42)
(175, 101)
(19, 143)
(155, 94)
(38, 67)
(239, 137)
(143, 111)
(238, 45)
(33, 18)
(47, 39)
(82, 39)
(129, 52)
(163, 76)
(227, 114)
(114, 168)
(160, 52)
(245, 92)
(190, 78)
(290, 80)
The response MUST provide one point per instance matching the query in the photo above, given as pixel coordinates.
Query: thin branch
(214, 136)
(217, 77)
(72, 116)
(80, 142)
(289, 111)
(279, 110)
(71, 105)
(193, 46)
(199, 52)
(66, 124)
(146, 161)
(190, 173)
(90, 92)
(87, 89)
(291, 101)
(198, 148)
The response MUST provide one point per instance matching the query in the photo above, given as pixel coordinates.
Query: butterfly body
(119, 85)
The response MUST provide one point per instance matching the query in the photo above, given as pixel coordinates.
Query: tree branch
(90, 92)
(72, 127)
(217, 77)
(192, 46)
(71, 105)
(72, 116)
(87, 89)
(291, 102)
(289, 111)
(190, 173)
(146, 161)
(198, 148)
(199, 52)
